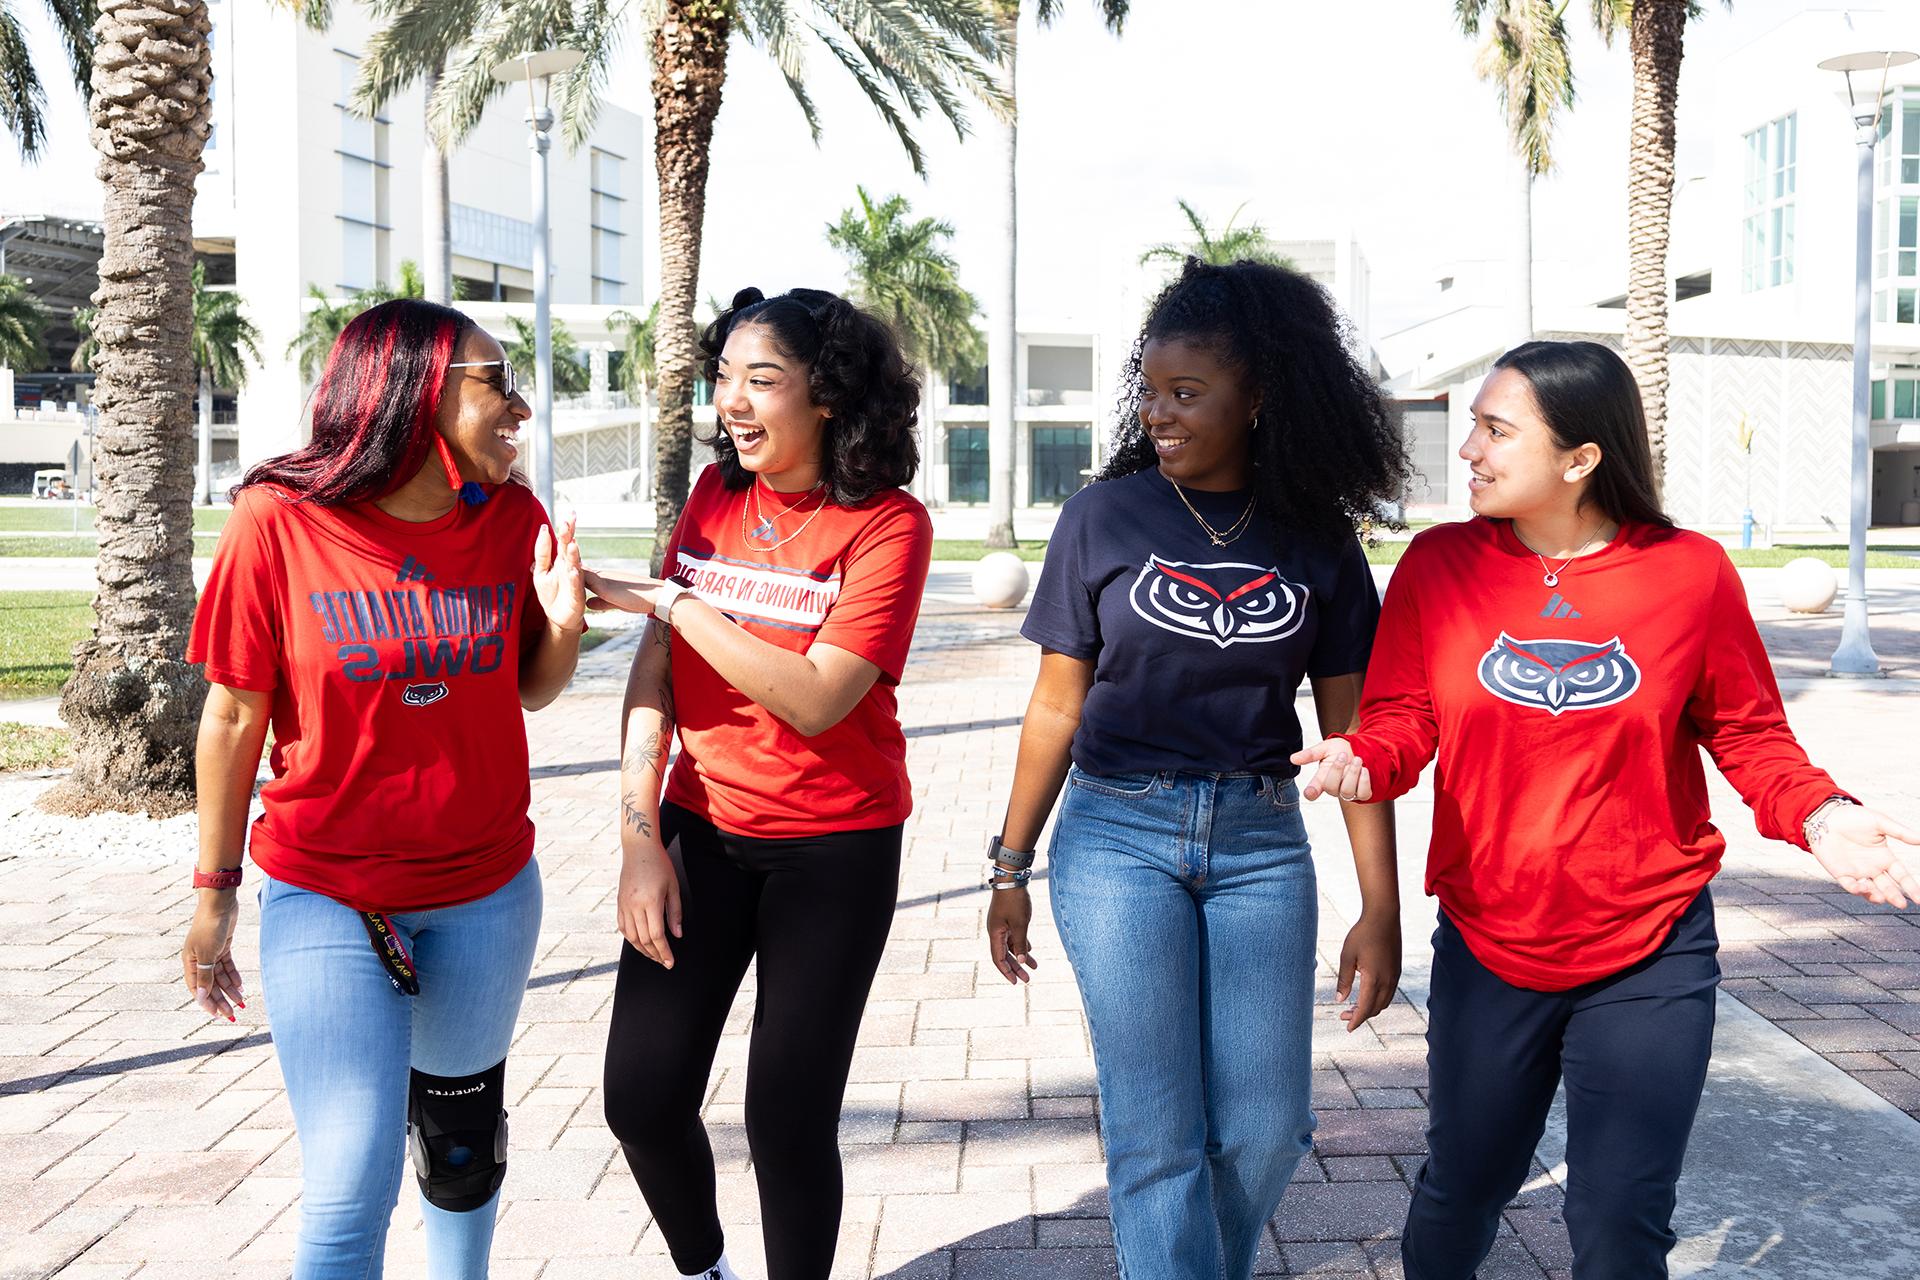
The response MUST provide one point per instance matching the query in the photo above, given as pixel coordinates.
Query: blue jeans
(1187, 906)
(347, 1041)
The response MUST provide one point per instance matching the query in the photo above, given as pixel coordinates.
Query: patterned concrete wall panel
(1816, 474)
(1742, 377)
(1688, 465)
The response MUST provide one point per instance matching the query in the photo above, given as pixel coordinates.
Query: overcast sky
(1363, 114)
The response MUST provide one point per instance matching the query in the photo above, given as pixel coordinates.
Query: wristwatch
(1816, 824)
(670, 591)
(1013, 858)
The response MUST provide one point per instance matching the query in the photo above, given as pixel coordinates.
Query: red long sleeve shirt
(1570, 824)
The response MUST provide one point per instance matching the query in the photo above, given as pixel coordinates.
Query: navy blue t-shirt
(1198, 650)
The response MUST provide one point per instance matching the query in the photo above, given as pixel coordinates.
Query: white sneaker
(721, 1270)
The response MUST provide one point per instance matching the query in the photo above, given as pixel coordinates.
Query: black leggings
(815, 911)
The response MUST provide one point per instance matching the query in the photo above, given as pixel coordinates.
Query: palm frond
(82, 321)
(1112, 12)
(23, 324)
(73, 21)
(509, 29)
(1526, 58)
(876, 93)
(414, 42)
(22, 99)
(599, 30)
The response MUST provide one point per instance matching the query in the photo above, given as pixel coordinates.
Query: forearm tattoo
(630, 814)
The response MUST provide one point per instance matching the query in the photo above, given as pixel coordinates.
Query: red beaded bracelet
(227, 878)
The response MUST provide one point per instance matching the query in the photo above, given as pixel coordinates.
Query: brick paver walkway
(136, 1139)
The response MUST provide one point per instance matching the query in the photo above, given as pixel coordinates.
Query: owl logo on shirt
(1227, 603)
(1559, 675)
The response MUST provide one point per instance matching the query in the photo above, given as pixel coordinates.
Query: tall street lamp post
(541, 65)
(1855, 656)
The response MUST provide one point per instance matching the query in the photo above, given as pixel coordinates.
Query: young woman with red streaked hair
(372, 601)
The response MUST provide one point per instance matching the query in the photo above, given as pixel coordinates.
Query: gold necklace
(765, 529)
(1219, 537)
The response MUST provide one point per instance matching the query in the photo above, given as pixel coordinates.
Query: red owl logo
(1227, 603)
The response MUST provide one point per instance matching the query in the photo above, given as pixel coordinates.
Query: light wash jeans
(347, 1041)
(1188, 907)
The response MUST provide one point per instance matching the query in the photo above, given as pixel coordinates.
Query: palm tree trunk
(436, 209)
(133, 702)
(203, 470)
(1003, 342)
(929, 435)
(1659, 26)
(689, 70)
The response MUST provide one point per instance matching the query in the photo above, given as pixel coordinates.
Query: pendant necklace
(1219, 537)
(1550, 574)
(765, 536)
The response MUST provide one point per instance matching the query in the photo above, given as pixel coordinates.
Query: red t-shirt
(392, 650)
(1570, 820)
(852, 579)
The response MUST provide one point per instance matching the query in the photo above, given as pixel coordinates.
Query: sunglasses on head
(508, 382)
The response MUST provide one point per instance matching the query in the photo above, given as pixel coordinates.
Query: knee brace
(457, 1135)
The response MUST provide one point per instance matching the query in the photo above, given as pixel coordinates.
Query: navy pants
(1633, 1051)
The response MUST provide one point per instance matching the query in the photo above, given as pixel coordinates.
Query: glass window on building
(608, 214)
(1897, 396)
(702, 391)
(966, 464)
(968, 388)
(1896, 213)
(1060, 455)
(1767, 240)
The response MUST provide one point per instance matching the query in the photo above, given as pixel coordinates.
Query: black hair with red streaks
(374, 408)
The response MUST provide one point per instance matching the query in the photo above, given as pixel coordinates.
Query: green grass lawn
(38, 630)
(32, 746)
(58, 517)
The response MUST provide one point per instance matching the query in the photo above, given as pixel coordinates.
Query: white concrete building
(1762, 264)
(303, 192)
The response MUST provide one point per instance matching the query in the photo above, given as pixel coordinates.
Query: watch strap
(1018, 859)
(225, 878)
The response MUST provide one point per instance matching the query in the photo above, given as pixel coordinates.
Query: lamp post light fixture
(541, 65)
(1855, 656)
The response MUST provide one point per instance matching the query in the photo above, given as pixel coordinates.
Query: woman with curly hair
(1185, 595)
(793, 584)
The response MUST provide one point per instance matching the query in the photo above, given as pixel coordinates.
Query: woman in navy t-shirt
(1184, 597)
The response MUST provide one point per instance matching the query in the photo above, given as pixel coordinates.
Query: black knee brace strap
(457, 1133)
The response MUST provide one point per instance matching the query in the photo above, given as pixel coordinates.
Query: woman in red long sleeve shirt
(1567, 653)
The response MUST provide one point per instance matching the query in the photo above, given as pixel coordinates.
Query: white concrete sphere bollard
(1000, 580)
(1808, 585)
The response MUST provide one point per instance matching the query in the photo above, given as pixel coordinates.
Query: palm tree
(1525, 56)
(325, 318)
(83, 353)
(907, 57)
(22, 97)
(23, 326)
(1536, 80)
(635, 373)
(1656, 31)
(133, 702)
(901, 270)
(1229, 244)
(571, 377)
(223, 338)
(1003, 328)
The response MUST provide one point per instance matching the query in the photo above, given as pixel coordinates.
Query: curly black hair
(855, 367)
(1328, 450)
